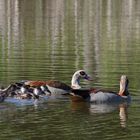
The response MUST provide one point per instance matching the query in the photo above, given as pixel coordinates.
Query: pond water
(51, 39)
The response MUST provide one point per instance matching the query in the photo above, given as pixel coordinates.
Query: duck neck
(124, 86)
(75, 82)
(123, 90)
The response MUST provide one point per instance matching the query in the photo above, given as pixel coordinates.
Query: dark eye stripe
(82, 73)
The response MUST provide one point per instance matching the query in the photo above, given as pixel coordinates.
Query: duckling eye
(82, 73)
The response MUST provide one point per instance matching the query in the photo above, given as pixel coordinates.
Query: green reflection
(51, 39)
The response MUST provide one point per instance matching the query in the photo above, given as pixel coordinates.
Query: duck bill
(88, 78)
(49, 91)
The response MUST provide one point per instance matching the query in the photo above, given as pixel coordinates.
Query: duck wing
(101, 90)
(51, 83)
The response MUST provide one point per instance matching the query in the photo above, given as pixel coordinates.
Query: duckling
(4, 93)
(45, 90)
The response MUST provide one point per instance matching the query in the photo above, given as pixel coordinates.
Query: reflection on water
(103, 108)
(123, 115)
(51, 39)
(54, 38)
(24, 102)
(35, 102)
(52, 118)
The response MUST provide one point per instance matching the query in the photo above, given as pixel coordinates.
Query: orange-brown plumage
(51, 83)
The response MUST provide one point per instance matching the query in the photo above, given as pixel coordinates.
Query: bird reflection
(103, 108)
(123, 114)
(80, 106)
(107, 108)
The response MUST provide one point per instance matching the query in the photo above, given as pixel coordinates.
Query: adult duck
(58, 87)
(102, 96)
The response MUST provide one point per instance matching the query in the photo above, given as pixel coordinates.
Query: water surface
(42, 40)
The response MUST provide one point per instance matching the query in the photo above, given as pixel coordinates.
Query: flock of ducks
(37, 89)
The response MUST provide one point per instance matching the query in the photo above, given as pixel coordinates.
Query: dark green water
(51, 39)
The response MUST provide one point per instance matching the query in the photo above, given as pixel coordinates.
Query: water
(42, 40)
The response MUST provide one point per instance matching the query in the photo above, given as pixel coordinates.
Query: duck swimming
(4, 93)
(21, 91)
(35, 89)
(58, 87)
(102, 96)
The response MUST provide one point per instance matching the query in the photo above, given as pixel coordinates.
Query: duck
(22, 92)
(26, 92)
(4, 93)
(38, 90)
(58, 87)
(104, 96)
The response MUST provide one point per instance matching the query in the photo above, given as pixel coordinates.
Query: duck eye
(82, 73)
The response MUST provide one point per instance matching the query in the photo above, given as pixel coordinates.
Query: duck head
(45, 90)
(37, 91)
(124, 86)
(80, 74)
(24, 89)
